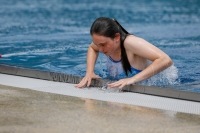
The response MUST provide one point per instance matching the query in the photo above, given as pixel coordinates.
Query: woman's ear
(117, 37)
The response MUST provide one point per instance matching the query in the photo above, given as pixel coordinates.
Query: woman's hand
(87, 80)
(122, 82)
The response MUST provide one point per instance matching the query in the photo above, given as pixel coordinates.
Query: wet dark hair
(109, 27)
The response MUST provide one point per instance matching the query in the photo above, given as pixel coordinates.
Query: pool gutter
(60, 77)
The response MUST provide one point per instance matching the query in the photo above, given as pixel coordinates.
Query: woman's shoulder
(132, 41)
(132, 38)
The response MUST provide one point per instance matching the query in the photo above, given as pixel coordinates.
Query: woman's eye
(103, 44)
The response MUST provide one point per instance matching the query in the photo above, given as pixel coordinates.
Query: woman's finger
(82, 83)
(122, 85)
(88, 82)
(115, 84)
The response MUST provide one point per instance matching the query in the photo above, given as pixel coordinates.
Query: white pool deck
(130, 98)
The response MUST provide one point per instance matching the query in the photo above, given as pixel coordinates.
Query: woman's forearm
(92, 55)
(157, 66)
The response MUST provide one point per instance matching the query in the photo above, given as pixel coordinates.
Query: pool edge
(60, 77)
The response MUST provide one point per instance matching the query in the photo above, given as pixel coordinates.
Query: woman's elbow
(169, 62)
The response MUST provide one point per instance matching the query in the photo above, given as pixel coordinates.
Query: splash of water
(167, 77)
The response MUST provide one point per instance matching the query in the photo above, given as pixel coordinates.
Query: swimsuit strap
(115, 61)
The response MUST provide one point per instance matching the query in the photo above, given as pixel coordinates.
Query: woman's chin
(106, 54)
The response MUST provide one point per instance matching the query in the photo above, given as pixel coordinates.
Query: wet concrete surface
(28, 111)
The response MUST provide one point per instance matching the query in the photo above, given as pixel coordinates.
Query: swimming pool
(54, 35)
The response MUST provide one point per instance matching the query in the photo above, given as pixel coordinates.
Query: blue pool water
(54, 35)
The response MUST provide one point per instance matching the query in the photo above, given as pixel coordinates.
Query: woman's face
(106, 45)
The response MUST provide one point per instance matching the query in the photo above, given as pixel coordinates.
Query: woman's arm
(140, 47)
(92, 55)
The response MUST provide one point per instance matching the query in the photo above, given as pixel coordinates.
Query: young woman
(126, 54)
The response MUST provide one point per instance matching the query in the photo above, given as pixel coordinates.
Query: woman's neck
(116, 55)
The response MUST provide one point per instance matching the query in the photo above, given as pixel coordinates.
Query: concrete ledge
(59, 77)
